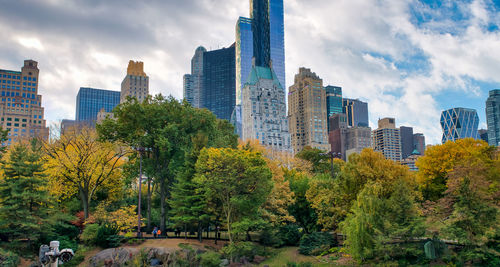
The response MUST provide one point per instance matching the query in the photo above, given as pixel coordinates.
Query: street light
(140, 150)
(332, 155)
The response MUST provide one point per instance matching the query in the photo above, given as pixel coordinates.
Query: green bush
(8, 259)
(107, 236)
(238, 251)
(269, 237)
(210, 259)
(290, 235)
(316, 243)
(300, 264)
(89, 234)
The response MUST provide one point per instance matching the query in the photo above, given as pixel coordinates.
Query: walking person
(155, 231)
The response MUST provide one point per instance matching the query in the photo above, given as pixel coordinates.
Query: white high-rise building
(264, 115)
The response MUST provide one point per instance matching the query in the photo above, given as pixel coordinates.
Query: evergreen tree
(23, 193)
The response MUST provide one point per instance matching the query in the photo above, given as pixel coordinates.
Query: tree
(275, 209)
(440, 160)
(238, 179)
(24, 199)
(472, 194)
(333, 199)
(79, 164)
(301, 209)
(165, 127)
(320, 161)
(379, 218)
(3, 138)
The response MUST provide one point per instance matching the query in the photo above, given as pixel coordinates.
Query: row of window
(28, 95)
(17, 77)
(18, 88)
(17, 83)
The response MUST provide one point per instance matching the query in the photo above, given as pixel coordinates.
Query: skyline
(395, 50)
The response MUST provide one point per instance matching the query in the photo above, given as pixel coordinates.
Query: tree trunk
(200, 232)
(162, 206)
(85, 203)
(149, 205)
(185, 232)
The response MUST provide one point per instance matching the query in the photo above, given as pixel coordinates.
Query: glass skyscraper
(459, 123)
(90, 101)
(218, 93)
(333, 102)
(244, 54)
(245, 43)
(356, 111)
(493, 117)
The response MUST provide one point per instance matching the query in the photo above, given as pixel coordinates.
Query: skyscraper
(135, 83)
(193, 82)
(21, 111)
(307, 112)
(407, 145)
(419, 143)
(333, 101)
(263, 106)
(387, 139)
(218, 92)
(459, 123)
(90, 101)
(337, 135)
(493, 117)
(356, 111)
(244, 54)
(264, 110)
(245, 46)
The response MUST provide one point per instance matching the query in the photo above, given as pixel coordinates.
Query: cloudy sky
(409, 59)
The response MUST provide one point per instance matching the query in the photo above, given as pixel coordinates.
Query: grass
(291, 254)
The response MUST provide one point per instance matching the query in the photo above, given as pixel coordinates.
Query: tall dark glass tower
(218, 93)
(261, 29)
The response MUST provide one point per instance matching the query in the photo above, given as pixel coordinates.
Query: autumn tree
(440, 160)
(24, 198)
(275, 209)
(237, 179)
(333, 199)
(165, 128)
(79, 164)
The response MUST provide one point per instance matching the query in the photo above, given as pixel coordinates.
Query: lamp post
(139, 234)
(332, 155)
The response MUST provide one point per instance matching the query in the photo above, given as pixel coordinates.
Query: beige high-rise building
(21, 110)
(136, 83)
(307, 112)
(387, 139)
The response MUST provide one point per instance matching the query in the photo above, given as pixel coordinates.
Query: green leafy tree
(317, 157)
(301, 208)
(165, 127)
(24, 197)
(237, 179)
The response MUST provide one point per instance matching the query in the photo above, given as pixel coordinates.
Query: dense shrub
(270, 237)
(316, 243)
(242, 250)
(8, 259)
(89, 234)
(290, 235)
(210, 259)
(107, 236)
(300, 264)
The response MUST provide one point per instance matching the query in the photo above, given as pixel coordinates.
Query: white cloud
(356, 44)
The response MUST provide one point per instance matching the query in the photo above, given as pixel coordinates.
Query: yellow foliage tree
(440, 160)
(79, 164)
(333, 199)
(275, 209)
(125, 218)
